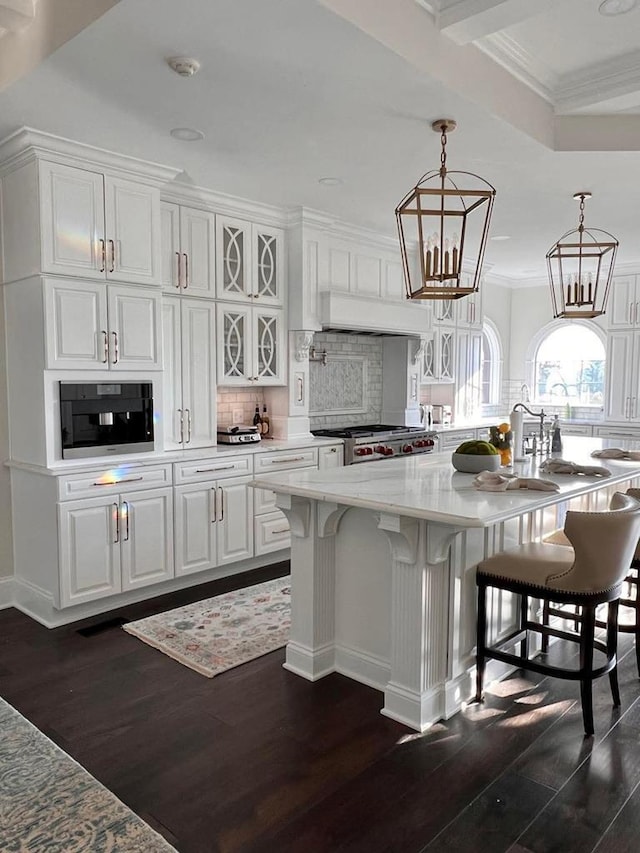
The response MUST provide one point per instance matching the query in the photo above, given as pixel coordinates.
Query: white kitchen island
(383, 568)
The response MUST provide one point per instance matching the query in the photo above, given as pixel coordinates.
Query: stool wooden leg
(612, 649)
(587, 636)
(481, 639)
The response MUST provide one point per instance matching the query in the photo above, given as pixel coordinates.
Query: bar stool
(589, 573)
(629, 597)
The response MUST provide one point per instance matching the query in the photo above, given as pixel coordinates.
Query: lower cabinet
(213, 513)
(213, 524)
(114, 543)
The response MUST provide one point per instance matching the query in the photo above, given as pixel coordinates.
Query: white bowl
(471, 463)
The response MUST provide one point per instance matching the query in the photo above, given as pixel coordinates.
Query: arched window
(568, 367)
(491, 365)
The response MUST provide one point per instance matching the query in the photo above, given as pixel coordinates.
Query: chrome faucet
(541, 445)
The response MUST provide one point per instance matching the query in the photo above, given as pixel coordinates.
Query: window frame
(491, 334)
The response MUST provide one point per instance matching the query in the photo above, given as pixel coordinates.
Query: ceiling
(291, 91)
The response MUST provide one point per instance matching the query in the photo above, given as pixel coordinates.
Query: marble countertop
(428, 487)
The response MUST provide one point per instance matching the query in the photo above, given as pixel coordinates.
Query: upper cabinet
(623, 311)
(188, 250)
(250, 345)
(73, 210)
(250, 262)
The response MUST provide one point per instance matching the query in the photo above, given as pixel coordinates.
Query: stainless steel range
(380, 441)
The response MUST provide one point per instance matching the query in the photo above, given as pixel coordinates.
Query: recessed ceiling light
(186, 134)
(616, 7)
(330, 182)
(501, 237)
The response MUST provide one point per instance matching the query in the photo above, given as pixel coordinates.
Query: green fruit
(477, 448)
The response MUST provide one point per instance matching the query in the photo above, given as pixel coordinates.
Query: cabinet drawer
(271, 533)
(286, 460)
(449, 441)
(211, 469)
(110, 481)
(576, 429)
(617, 432)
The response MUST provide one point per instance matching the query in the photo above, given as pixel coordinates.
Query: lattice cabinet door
(233, 259)
(429, 371)
(235, 365)
(267, 265)
(268, 343)
(447, 356)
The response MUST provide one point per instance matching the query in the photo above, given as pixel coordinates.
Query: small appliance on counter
(442, 414)
(238, 434)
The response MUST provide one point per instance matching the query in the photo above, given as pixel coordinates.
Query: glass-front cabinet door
(267, 265)
(268, 342)
(233, 259)
(234, 365)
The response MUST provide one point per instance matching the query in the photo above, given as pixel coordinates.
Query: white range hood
(354, 313)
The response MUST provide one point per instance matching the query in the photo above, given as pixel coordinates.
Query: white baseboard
(363, 667)
(6, 593)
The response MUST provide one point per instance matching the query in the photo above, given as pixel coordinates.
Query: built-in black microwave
(104, 418)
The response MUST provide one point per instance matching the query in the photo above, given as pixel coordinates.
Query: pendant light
(448, 226)
(580, 268)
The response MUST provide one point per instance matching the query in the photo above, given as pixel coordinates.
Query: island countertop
(428, 487)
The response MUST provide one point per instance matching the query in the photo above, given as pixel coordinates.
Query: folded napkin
(563, 466)
(617, 453)
(492, 481)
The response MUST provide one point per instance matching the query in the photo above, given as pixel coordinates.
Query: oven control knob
(379, 448)
(419, 443)
(369, 451)
(429, 442)
(388, 451)
(361, 451)
(407, 448)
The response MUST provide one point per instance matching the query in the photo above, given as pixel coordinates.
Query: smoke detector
(184, 65)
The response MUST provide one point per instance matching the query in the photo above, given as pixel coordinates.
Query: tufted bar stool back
(590, 571)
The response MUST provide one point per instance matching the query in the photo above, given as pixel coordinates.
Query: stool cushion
(534, 564)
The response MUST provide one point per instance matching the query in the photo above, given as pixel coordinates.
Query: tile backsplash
(349, 389)
(238, 400)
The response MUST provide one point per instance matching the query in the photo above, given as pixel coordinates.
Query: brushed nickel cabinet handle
(116, 355)
(186, 270)
(211, 470)
(113, 256)
(290, 459)
(179, 270)
(103, 255)
(280, 530)
(181, 413)
(188, 411)
(105, 345)
(126, 518)
(117, 513)
(117, 482)
(215, 504)
(221, 503)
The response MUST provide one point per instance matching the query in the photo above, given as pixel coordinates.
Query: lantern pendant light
(580, 268)
(448, 225)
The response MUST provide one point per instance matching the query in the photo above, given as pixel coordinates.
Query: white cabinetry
(213, 514)
(453, 438)
(624, 303)
(250, 345)
(187, 250)
(97, 226)
(331, 457)
(189, 378)
(438, 356)
(623, 376)
(272, 532)
(249, 262)
(93, 327)
(468, 391)
(119, 541)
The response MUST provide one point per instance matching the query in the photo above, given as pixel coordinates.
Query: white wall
(496, 305)
(6, 540)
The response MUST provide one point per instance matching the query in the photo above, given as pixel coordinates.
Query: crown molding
(305, 217)
(26, 143)
(508, 53)
(224, 203)
(599, 83)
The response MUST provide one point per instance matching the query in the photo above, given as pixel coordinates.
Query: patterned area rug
(219, 633)
(50, 804)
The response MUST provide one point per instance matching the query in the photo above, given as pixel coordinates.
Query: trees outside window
(569, 367)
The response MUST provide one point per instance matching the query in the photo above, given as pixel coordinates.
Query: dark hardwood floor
(259, 760)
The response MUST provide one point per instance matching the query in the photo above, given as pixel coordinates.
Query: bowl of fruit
(471, 457)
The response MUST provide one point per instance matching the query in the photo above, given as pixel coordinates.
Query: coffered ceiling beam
(465, 21)
(609, 86)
